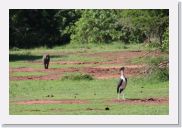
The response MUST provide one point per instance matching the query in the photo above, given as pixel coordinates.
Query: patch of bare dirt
(141, 101)
(76, 110)
(74, 62)
(44, 77)
(126, 54)
(113, 72)
(24, 69)
(93, 109)
(99, 70)
(65, 101)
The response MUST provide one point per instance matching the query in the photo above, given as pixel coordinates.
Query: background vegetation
(35, 28)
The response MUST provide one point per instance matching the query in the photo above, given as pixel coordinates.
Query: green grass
(63, 51)
(38, 57)
(28, 74)
(97, 92)
(26, 64)
(149, 60)
(86, 90)
(115, 109)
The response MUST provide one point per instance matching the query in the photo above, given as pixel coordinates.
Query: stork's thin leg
(123, 96)
(118, 96)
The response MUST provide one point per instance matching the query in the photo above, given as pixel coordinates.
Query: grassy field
(96, 93)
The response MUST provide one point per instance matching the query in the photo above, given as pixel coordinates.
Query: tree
(40, 27)
(151, 22)
(95, 26)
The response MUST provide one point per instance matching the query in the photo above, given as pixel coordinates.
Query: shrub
(165, 42)
(158, 72)
(77, 76)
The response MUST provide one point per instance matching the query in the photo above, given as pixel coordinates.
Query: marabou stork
(122, 83)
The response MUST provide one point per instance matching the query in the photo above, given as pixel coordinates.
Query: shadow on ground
(22, 57)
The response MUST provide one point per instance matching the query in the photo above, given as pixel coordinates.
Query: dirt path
(141, 101)
(99, 70)
(30, 102)
(154, 101)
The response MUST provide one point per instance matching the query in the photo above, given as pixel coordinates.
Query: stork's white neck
(122, 73)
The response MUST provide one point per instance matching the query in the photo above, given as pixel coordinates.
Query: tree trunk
(160, 39)
(149, 39)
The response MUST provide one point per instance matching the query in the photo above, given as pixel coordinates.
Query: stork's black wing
(119, 84)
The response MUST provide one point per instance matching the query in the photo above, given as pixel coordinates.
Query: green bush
(154, 61)
(77, 76)
(159, 74)
(156, 72)
(165, 42)
(153, 45)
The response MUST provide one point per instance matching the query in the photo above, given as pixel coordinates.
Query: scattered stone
(107, 108)
(151, 99)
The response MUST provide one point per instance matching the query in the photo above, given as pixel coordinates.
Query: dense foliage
(34, 28)
(165, 42)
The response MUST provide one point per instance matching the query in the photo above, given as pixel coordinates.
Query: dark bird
(122, 83)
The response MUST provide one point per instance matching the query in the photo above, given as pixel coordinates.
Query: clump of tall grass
(158, 69)
(77, 76)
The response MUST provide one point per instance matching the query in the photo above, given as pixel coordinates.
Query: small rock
(107, 69)
(107, 108)
(151, 99)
